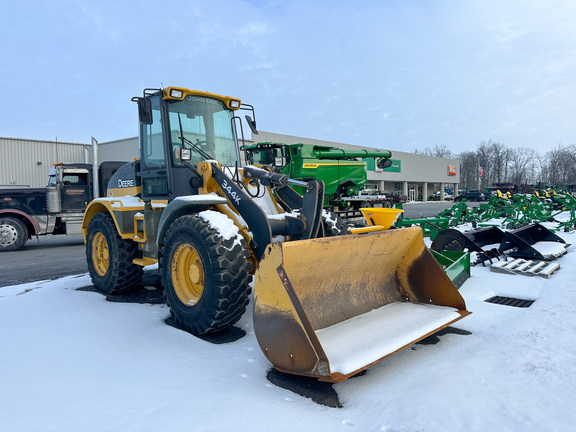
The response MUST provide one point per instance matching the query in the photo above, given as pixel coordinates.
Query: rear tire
(206, 277)
(110, 258)
(13, 234)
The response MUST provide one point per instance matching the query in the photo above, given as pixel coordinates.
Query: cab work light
(234, 104)
(176, 94)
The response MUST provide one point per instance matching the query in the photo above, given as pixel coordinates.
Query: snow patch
(223, 224)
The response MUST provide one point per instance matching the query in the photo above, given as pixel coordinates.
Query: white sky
(398, 74)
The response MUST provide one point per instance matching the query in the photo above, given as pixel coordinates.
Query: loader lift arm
(310, 205)
(306, 225)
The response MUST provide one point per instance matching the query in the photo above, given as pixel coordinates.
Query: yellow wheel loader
(327, 303)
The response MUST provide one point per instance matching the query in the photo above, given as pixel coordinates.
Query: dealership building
(26, 163)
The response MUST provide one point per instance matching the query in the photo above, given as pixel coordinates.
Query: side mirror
(251, 124)
(384, 163)
(144, 110)
(279, 162)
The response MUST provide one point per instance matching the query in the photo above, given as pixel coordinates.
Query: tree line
(518, 166)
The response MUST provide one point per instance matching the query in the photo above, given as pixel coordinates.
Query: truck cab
(56, 209)
(69, 188)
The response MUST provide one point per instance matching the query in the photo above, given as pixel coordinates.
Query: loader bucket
(533, 241)
(331, 307)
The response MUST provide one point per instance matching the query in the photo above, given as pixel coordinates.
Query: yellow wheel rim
(187, 274)
(100, 254)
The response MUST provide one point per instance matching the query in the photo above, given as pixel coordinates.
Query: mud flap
(331, 307)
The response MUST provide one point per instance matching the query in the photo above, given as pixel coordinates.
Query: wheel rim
(8, 234)
(187, 274)
(100, 254)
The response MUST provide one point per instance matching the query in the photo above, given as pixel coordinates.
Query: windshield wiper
(191, 144)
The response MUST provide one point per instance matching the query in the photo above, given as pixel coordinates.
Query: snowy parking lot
(73, 361)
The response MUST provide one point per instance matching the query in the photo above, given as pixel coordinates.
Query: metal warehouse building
(27, 162)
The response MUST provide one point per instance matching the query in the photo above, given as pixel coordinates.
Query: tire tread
(230, 271)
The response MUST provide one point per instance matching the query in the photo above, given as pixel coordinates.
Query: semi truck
(57, 208)
(343, 174)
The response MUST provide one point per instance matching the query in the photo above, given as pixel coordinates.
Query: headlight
(176, 94)
(234, 104)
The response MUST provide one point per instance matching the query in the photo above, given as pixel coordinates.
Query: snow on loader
(327, 304)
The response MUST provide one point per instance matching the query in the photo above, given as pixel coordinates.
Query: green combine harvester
(344, 176)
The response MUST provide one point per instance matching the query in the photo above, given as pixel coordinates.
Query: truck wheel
(110, 257)
(206, 277)
(13, 234)
(387, 204)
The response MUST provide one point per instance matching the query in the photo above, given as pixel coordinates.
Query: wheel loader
(327, 304)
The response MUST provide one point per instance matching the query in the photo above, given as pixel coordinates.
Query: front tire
(206, 277)
(110, 258)
(13, 234)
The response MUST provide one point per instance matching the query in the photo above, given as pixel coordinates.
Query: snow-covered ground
(72, 361)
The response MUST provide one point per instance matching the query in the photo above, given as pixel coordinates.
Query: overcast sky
(400, 75)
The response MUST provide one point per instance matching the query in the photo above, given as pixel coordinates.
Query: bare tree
(500, 159)
(442, 151)
(520, 160)
(436, 151)
(485, 160)
(541, 170)
(501, 164)
(561, 165)
(468, 170)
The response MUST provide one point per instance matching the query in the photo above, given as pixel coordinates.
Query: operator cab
(180, 128)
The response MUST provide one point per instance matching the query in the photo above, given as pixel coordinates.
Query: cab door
(75, 190)
(154, 172)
